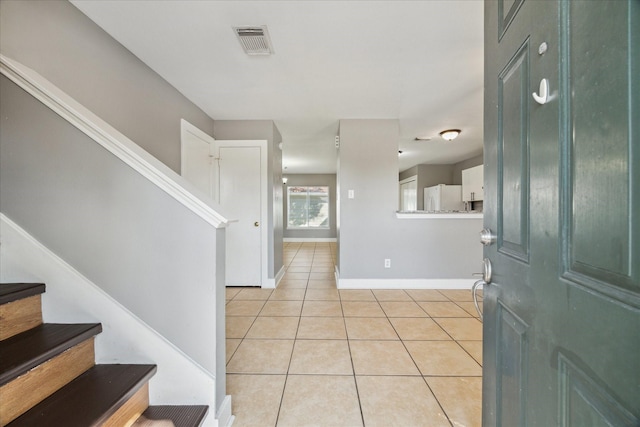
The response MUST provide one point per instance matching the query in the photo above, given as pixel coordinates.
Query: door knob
(474, 291)
(487, 237)
(486, 270)
(256, 224)
(486, 279)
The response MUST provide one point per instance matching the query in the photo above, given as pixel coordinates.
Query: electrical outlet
(387, 263)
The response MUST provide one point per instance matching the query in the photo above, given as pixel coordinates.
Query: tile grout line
(295, 340)
(349, 339)
(353, 367)
(416, 364)
(286, 377)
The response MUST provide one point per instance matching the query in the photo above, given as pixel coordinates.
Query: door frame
(401, 197)
(264, 188)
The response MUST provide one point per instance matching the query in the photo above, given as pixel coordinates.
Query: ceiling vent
(254, 40)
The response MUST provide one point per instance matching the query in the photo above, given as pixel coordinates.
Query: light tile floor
(308, 354)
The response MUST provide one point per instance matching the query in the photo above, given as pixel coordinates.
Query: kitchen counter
(438, 215)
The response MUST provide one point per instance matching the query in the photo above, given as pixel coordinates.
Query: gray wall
(368, 230)
(465, 164)
(137, 243)
(312, 179)
(265, 130)
(59, 42)
(368, 165)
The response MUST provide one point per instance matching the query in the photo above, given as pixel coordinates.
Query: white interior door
(234, 173)
(241, 192)
(197, 157)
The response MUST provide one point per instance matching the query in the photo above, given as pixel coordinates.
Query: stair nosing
(80, 335)
(132, 390)
(199, 412)
(20, 291)
(50, 410)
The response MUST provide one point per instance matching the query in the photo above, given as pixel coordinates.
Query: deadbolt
(487, 237)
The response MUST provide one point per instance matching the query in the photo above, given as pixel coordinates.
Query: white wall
(422, 252)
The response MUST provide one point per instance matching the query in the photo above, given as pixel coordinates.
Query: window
(308, 207)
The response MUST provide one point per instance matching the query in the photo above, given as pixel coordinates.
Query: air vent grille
(254, 40)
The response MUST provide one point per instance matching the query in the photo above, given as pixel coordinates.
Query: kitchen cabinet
(473, 184)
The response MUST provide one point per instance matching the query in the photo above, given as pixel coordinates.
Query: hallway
(307, 354)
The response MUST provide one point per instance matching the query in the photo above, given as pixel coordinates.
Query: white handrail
(113, 140)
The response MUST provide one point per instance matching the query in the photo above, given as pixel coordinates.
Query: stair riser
(19, 316)
(131, 410)
(42, 381)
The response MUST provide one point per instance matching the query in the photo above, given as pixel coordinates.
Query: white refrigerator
(443, 197)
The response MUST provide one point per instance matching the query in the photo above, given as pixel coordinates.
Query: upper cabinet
(473, 184)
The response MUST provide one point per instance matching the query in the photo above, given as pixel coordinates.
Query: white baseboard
(273, 283)
(309, 239)
(224, 416)
(404, 283)
(280, 275)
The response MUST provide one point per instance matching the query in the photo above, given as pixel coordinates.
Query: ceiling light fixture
(450, 134)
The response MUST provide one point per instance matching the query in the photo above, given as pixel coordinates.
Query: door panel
(507, 10)
(513, 155)
(586, 403)
(562, 315)
(240, 172)
(512, 357)
(600, 256)
(197, 163)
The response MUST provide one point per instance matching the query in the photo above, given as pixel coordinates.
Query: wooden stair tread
(180, 415)
(10, 292)
(29, 349)
(89, 399)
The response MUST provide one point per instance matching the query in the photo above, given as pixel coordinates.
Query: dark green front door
(562, 194)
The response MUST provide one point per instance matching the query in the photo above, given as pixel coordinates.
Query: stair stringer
(72, 298)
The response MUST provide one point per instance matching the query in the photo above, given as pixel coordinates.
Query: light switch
(350, 194)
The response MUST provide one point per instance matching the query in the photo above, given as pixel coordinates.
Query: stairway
(48, 375)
